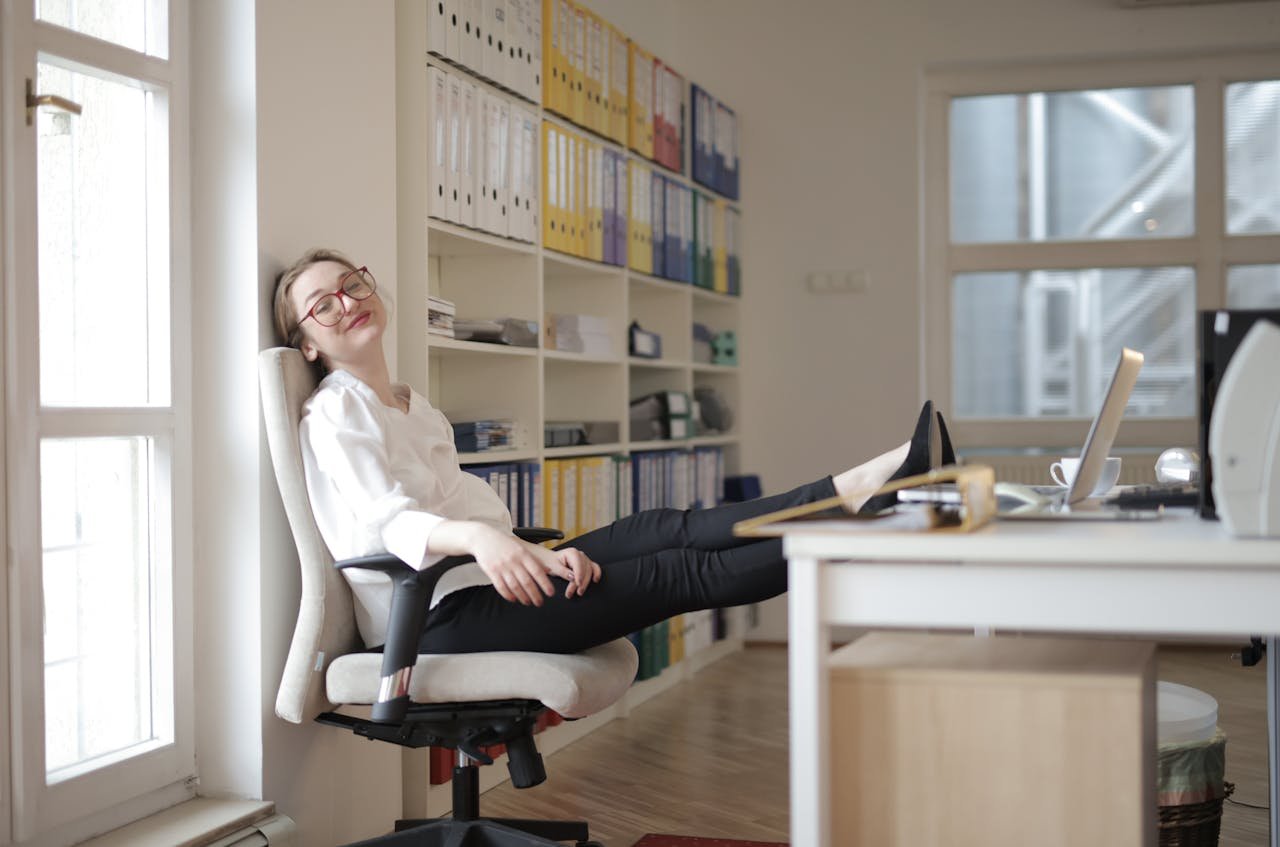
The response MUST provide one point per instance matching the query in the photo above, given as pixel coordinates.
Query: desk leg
(809, 643)
(1273, 737)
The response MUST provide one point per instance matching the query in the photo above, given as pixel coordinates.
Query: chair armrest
(383, 562)
(411, 591)
(537, 534)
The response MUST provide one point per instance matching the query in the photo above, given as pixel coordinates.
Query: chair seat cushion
(574, 685)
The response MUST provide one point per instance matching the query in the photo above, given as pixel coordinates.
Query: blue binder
(658, 201)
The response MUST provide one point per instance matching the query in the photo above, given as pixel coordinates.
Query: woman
(383, 475)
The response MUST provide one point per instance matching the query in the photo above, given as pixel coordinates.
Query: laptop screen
(1102, 434)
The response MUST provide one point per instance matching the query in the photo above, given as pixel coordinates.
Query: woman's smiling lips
(359, 320)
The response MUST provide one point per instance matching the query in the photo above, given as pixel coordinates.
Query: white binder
(443, 23)
(438, 27)
(516, 164)
(455, 149)
(532, 164)
(469, 14)
(503, 220)
(438, 142)
(493, 31)
(533, 44)
(484, 127)
(517, 11)
(467, 198)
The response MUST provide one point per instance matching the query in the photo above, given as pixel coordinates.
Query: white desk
(1178, 575)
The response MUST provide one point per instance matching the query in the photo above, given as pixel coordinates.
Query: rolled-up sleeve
(347, 444)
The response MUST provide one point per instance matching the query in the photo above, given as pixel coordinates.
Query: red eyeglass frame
(339, 293)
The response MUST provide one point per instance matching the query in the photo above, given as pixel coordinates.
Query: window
(97, 416)
(1088, 209)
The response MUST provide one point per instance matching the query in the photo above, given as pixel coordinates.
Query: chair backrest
(326, 627)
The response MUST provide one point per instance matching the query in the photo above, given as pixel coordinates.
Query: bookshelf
(489, 276)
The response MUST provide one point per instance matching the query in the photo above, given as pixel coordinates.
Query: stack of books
(440, 315)
(484, 435)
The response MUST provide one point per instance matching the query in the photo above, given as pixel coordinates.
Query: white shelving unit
(490, 276)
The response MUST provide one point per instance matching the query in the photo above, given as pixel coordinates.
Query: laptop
(1022, 502)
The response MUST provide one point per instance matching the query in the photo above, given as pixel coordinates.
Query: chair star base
(483, 833)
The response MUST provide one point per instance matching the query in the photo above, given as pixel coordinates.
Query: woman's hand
(584, 570)
(519, 570)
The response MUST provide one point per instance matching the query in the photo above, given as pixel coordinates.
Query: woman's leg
(699, 529)
(634, 593)
(712, 529)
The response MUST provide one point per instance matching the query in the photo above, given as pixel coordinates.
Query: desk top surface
(1180, 538)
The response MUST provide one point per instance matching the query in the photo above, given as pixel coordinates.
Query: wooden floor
(709, 757)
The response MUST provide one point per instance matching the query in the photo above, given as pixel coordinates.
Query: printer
(1244, 435)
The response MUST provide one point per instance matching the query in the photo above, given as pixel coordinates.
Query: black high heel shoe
(946, 453)
(918, 460)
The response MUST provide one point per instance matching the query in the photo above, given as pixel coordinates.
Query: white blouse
(380, 480)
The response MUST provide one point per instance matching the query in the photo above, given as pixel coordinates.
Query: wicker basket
(1193, 824)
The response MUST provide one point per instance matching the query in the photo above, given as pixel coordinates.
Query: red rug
(689, 841)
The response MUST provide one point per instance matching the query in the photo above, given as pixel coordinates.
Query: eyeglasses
(358, 284)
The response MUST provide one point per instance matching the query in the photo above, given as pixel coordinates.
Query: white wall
(326, 177)
(225, 342)
(827, 95)
(294, 147)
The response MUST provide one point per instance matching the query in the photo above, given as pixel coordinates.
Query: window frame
(1207, 252)
(31, 811)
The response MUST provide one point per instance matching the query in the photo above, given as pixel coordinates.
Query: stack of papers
(440, 316)
(586, 334)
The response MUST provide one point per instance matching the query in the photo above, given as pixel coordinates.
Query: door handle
(35, 101)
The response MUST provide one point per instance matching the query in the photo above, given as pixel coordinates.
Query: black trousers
(654, 564)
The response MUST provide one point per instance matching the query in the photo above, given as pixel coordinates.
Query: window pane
(1253, 157)
(140, 25)
(1075, 165)
(103, 315)
(98, 578)
(1253, 287)
(1045, 343)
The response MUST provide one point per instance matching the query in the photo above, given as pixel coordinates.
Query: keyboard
(1154, 495)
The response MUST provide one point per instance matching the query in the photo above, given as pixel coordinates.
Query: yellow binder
(595, 204)
(568, 197)
(719, 258)
(548, 180)
(593, 71)
(639, 240)
(580, 162)
(551, 494)
(578, 64)
(564, 85)
(618, 63)
(640, 100)
(569, 498)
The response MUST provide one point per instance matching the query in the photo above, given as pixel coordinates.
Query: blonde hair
(286, 319)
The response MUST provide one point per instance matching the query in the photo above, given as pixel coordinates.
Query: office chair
(462, 702)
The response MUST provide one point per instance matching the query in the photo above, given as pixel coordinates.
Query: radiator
(275, 831)
(1137, 468)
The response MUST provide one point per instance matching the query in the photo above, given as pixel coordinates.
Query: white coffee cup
(1064, 471)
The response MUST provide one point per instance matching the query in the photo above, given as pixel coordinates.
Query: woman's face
(360, 323)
